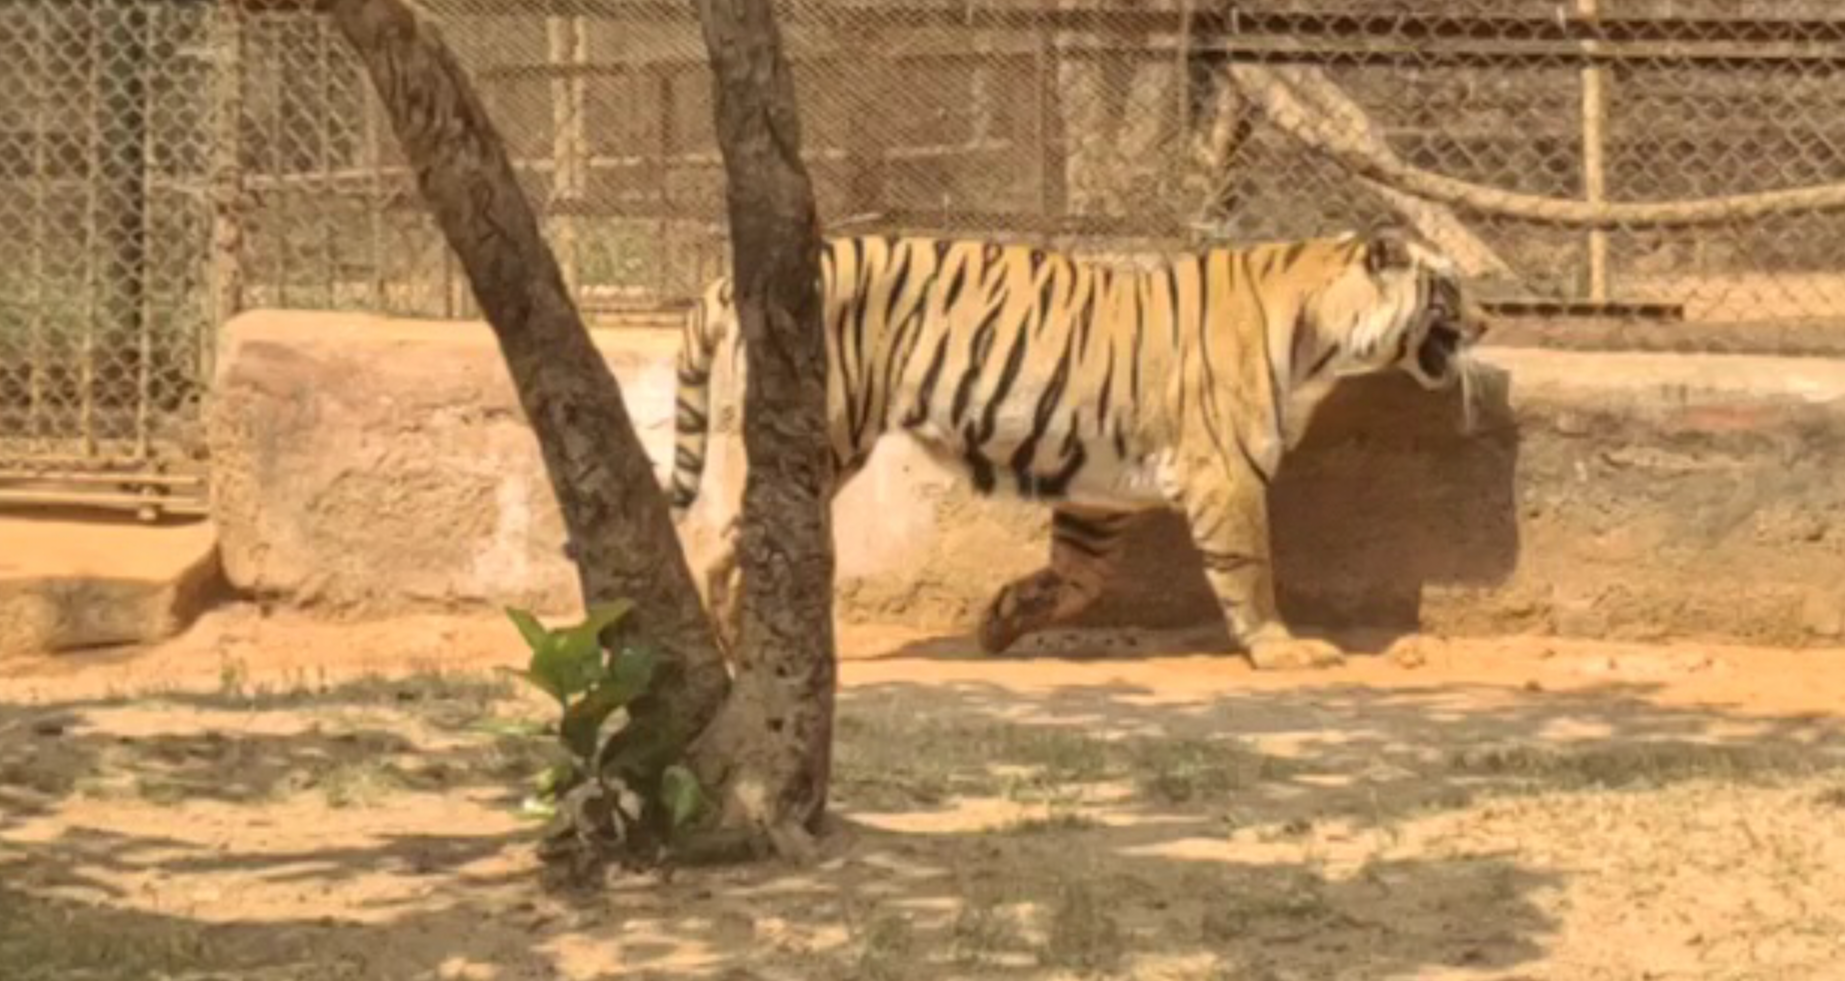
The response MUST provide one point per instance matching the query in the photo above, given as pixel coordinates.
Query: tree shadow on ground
(1075, 644)
(983, 832)
(349, 744)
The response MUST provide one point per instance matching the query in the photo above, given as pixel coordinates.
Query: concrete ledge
(366, 466)
(69, 584)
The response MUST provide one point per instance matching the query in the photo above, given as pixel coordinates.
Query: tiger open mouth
(1436, 356)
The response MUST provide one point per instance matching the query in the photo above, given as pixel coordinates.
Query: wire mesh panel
(104, 231)
(1621, 163)
(1615, 172)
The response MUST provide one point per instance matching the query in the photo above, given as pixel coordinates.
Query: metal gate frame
(108, 275)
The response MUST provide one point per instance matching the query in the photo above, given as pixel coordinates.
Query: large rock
(372, 466)
(368, 465)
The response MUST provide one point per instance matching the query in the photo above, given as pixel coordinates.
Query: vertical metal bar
(330, 215)
(563, 229)
(982, 83)
(668, 138)
(1182, 123)
(86, 353)
(38, 354)
(147, 24)
(276, 207)
(565, 56)
(227, 179)
(1594, 157)
(867, 140)
(374, 163)
(1181, 67)
(577, 93)
(120, 127)
(448, 281)
(1052, 192)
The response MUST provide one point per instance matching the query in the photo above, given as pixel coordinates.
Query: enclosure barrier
(1609, 173)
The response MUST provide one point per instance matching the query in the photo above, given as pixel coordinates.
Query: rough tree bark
(776, 729)
(763, 742)
(613, 509)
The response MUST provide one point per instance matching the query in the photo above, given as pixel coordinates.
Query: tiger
(1106, 392)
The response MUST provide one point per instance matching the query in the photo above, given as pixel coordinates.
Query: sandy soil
(272, 798)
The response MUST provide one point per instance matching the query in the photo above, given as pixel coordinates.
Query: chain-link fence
(1610, 172)
(1614, 169)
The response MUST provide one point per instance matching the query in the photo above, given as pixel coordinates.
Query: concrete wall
(366, 466)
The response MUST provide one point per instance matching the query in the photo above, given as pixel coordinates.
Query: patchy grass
(1083, 934)
(1058, 821)
(887, 946)
(355, 743)
(450, 697)
(42, 766)
(1293, 904)
(53, 941)
(892, 761)
(359, 783)
(364, 831)
(983, 932)
(1185, 771)
(1648, 764)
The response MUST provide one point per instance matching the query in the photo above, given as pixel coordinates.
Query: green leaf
(548, 780)
(568, 664)
(544, 682)
(632, 671)
(583, 719)
(680, 792)
(512, 728)
(639, 752)
(605, 615)
(626, 680)
(537, 809)
(534, 632)
(525, 675)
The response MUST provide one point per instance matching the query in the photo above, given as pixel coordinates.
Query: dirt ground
(270, 798)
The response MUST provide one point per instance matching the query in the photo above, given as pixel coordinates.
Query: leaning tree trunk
(613, 509)
(777, 726)
(764, 743)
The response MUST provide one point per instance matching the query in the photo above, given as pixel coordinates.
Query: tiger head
(1401, 305)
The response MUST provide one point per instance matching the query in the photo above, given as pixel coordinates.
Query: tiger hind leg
(723, 570)
(724, 586)
(1084, 546)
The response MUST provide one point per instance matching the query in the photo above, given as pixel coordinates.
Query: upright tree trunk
(777, 726)
(613, 508)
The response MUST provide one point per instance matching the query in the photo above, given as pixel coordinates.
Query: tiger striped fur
(1103, 390)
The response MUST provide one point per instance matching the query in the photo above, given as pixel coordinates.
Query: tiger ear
(1387, 248)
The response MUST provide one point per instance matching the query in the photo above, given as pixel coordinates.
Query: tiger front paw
(1289, 653)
